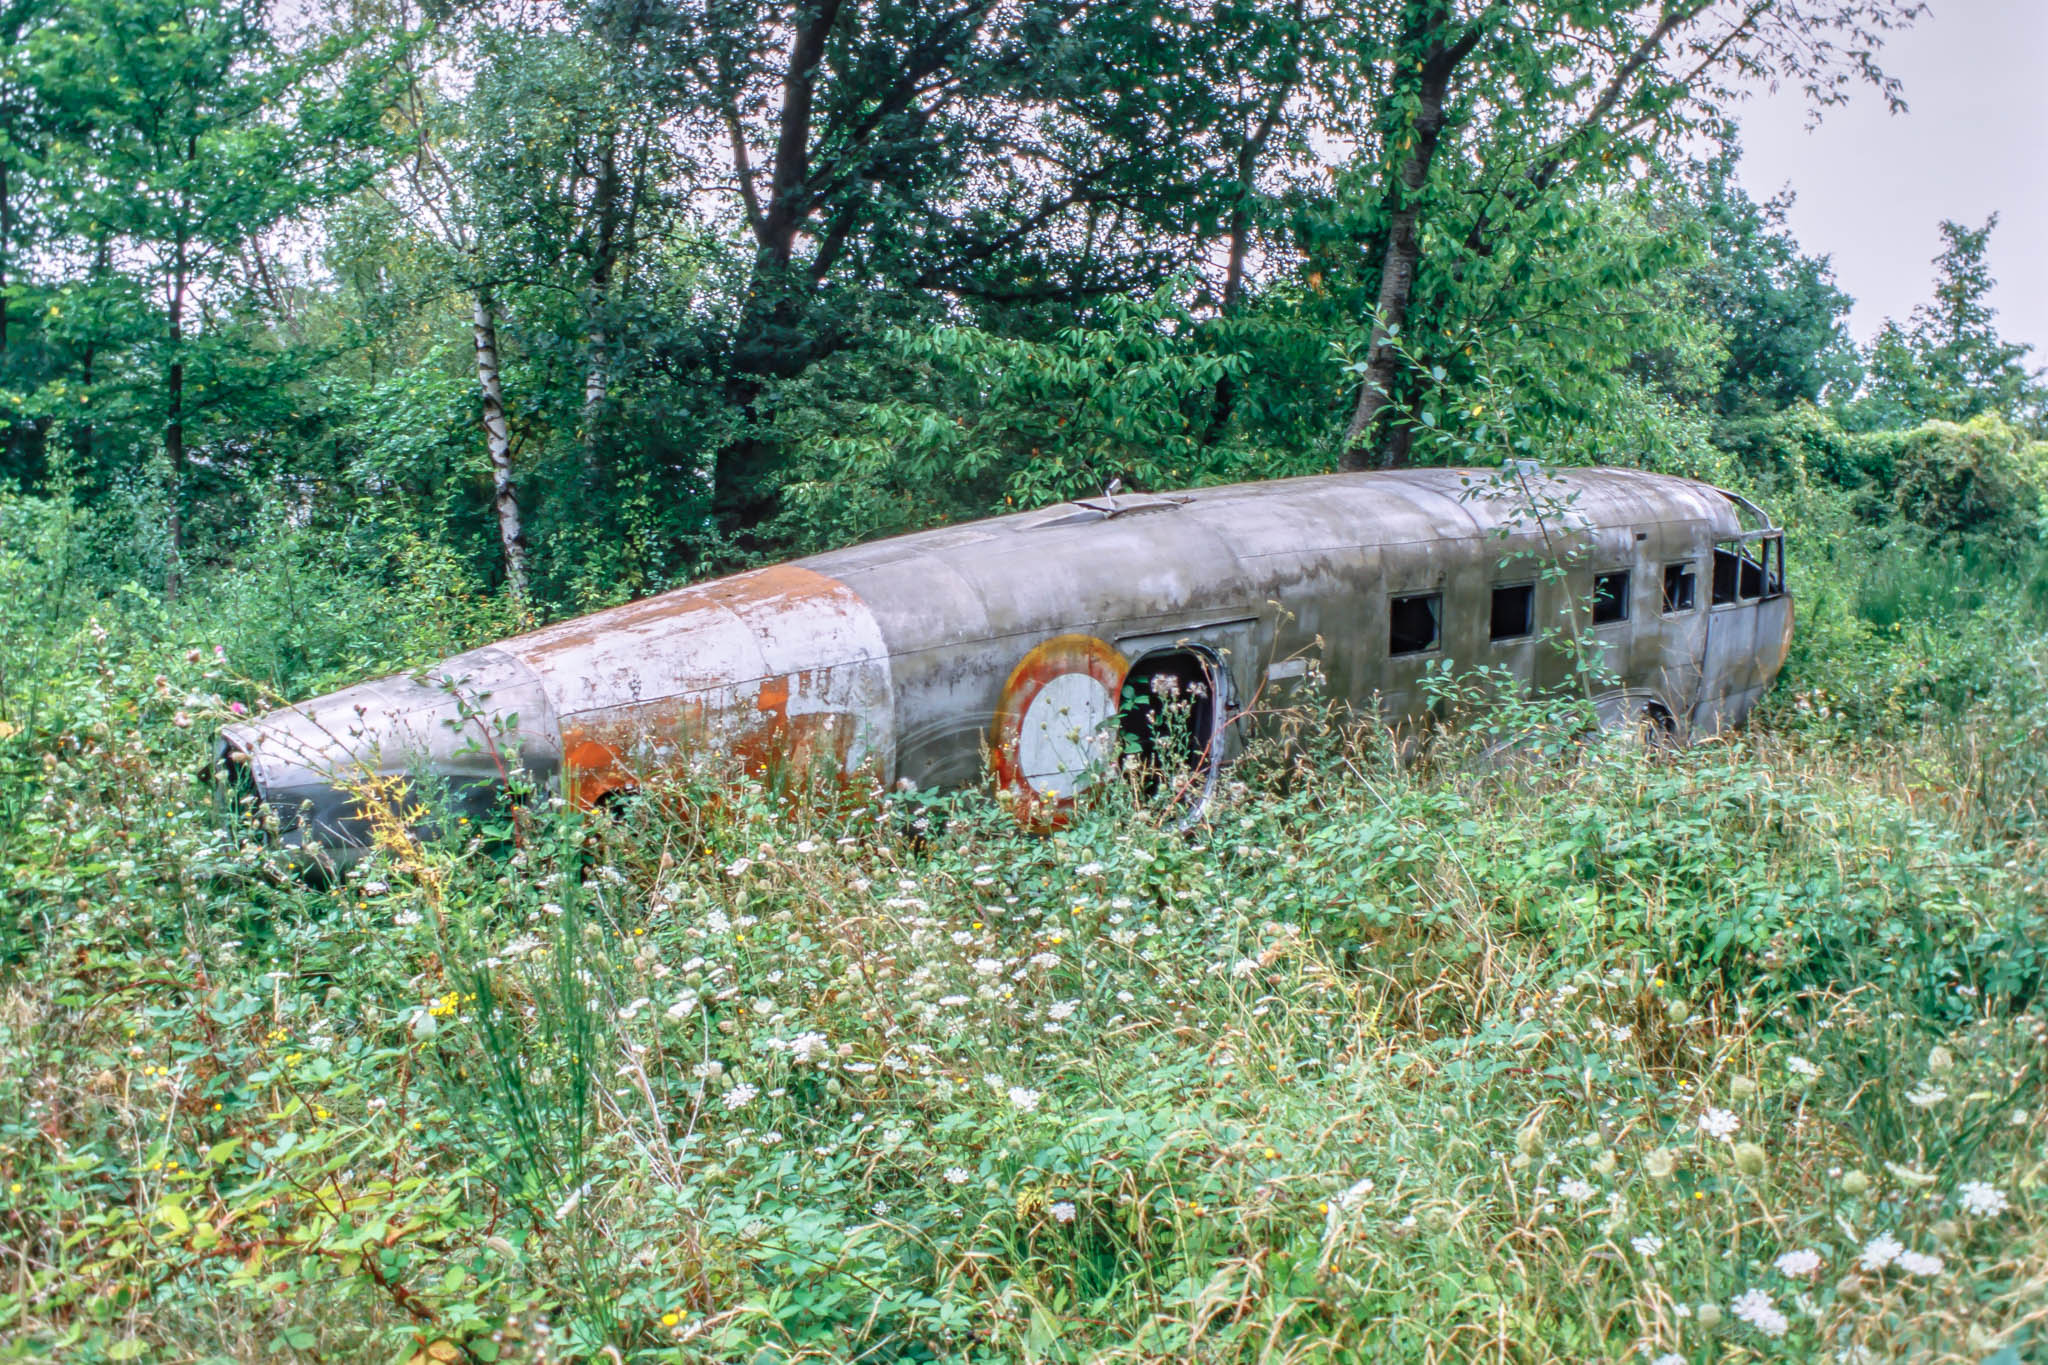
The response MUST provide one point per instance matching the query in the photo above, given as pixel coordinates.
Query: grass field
(1595, 1054)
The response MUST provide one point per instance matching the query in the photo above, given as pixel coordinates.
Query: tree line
(599, 295)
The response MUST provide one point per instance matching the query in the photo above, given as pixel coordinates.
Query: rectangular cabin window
(1610, 598)
(1727, 572)
(1739, 572)
(1415, 623)
(1681, 588)
(1514, 612)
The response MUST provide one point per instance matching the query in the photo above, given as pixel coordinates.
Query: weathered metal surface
(778, 666)
(930, 657)
(1051, 739)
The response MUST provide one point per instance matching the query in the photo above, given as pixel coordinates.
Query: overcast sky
(1873, 187)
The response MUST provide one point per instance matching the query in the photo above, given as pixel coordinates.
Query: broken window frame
(1686, 572)
(1435, 601)
(1618, 600)
(1756, 564)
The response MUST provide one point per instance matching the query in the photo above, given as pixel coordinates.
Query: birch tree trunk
(597, 368)
(498, 438)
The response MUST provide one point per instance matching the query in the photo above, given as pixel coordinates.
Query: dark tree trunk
(1433, 32)
(774, 340)
(6, 235)
(789, 187)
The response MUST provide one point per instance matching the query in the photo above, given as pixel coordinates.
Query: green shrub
(1982, 478)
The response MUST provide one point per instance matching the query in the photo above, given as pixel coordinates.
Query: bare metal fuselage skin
(922, 658)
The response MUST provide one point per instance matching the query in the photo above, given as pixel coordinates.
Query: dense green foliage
(1395, 1057)
(332, 342)
(594, 298)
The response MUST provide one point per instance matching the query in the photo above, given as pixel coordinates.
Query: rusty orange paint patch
(593, 771)
(758, 734)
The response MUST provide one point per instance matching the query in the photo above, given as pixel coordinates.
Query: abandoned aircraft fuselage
(924, 658)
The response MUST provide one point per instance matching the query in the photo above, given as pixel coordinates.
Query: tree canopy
(598, 294)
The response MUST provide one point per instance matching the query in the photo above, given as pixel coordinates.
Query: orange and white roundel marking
(1054, 731)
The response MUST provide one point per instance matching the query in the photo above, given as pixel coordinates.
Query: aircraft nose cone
(317, 767)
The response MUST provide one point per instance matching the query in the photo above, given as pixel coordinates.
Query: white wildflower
(1025, 1100)
(1917, 1263)
(1064, 1009)
(1063, 1210)
(1981, 1200)
(1926, 1096)
(1799, 1066)
(738, 867)
(739, 1097)
(961, 938)
(1720, 1123)
(806, 846)
(708, 1071)
(986, 966)
(1756, 1309)
(1088, 870)
(1880, 1251)
(684, 1007)
(1647, 1244)
(1799, 1264)
(809, 1046)
(956, 1175)
(1243, 967)
(1575, 1189)
(1044, 960)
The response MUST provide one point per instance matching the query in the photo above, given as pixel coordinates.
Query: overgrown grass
(1427, 1059)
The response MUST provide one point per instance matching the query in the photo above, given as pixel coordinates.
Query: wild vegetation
(333, 341)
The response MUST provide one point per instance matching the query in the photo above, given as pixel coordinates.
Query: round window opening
(1065, 742)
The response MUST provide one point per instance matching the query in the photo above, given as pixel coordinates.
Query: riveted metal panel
(893, 657)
